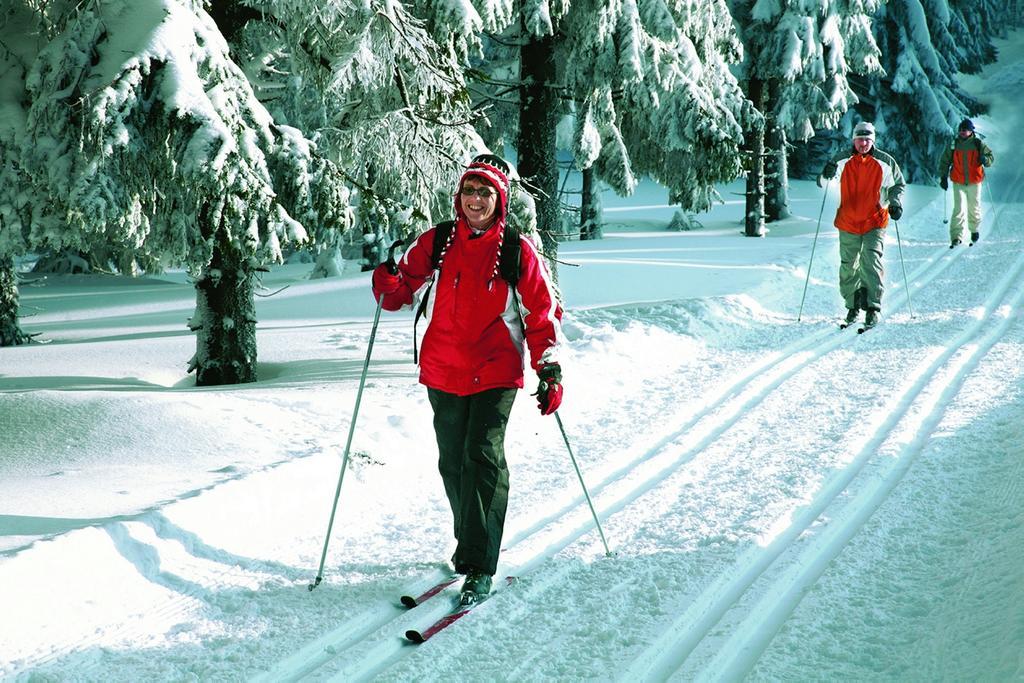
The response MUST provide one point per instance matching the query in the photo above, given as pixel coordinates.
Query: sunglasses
(481, 192)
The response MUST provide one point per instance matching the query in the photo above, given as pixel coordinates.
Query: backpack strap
(442, 233)
(508, 266)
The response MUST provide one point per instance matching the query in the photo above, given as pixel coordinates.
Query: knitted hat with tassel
(494, 170)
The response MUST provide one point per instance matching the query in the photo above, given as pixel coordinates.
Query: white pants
(966, 205)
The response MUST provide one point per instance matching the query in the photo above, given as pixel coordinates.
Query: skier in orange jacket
(871, 190)
(964, 162)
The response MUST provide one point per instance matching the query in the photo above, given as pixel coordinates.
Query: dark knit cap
(967, 124)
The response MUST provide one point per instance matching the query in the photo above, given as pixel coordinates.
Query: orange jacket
(965, 160)
(868, 184)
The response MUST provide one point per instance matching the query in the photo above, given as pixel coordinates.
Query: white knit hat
(864, 130)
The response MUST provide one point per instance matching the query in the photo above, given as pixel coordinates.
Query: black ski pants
(470, 434)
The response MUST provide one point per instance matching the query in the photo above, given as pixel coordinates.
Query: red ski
(444, 622)
(410, 602)
(447, 620)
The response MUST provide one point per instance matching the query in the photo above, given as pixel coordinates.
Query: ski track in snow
(726, 615)
(762, 514)
(789, 564)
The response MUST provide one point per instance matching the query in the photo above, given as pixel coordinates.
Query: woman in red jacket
(472, 355)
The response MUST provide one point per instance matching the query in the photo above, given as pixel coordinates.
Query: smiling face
(480, 209)
(863, 145)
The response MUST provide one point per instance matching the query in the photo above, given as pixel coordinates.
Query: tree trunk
(231, 17)
(373, 222)
(10, 332)
(225, 318)
(754, 217)
(538, 116)
(776, 201)
(590, 207)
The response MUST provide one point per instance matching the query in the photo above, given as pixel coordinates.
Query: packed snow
(784, 500)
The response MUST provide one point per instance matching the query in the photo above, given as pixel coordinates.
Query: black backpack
(508, 268)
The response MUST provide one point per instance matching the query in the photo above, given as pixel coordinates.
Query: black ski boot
(870, 320)
(975, 236)
(955, 243)
(851, 317)
(475, 588)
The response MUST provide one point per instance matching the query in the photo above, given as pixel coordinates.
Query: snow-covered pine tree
(974, 23)
(21, 37)
(540, 108)
(682, 123)
(382, 99)
(144, 134)
(916, 104)
(799, 58)
(647, 83)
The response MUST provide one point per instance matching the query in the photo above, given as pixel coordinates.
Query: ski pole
(586, 493)
(813, 246)
(945, 207)
(906, 285)
(393, 269)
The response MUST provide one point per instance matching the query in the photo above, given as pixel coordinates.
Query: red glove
(384, 281)
(549, 391)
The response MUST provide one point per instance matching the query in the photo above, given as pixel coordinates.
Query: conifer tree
(917, 103)
(647, 83)
(383, 99)
(144, 135)
(682, 112)
(799, 57)
(21, 37)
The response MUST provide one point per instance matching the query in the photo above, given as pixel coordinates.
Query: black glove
(829, 172)
(895, 211)
(944, 183)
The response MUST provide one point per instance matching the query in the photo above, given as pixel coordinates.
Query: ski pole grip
(392, 266)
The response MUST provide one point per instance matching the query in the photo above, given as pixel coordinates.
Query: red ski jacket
(474, 337)
(868, 183)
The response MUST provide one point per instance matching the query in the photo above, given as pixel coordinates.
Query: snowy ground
(787, 501)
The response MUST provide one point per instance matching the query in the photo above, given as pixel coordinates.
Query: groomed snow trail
(724, 609)
(751, 518)
(787, 501)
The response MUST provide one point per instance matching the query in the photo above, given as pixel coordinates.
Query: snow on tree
(800, 55)
(683, 122)
(972, 26)
(647, 84)
(20, 40)
(146, 136)
(382, 99)
(916, 104)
